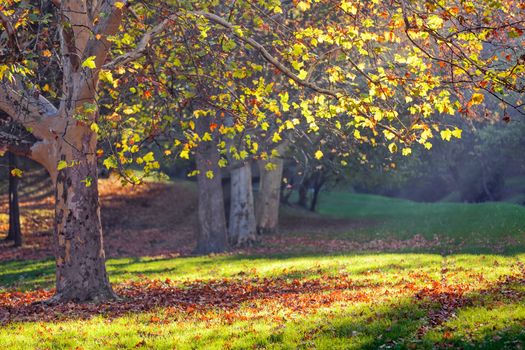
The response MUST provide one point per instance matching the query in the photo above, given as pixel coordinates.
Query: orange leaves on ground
(245, 298)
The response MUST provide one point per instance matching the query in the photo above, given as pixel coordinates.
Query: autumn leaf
(16, 172)
(476, 99)
(90, 62)
(61, 165)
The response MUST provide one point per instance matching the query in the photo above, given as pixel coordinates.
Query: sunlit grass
(491, 321)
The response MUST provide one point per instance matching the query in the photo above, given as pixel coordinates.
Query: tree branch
(150, 35)
(266, 55)
(26, 108)
(142, 46)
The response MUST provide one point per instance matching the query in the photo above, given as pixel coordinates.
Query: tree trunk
(303, 194)
(15, 233)
(212, 220)
(268, 196)
(80, 259)
(318, 184)
(242, 230)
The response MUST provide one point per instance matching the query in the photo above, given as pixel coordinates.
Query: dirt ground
(148, 220)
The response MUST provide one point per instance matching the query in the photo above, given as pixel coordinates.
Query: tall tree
(66, 146)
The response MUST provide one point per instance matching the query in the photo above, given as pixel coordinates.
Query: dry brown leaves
(243, 298)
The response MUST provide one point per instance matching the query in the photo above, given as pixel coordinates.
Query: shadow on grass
(406, 316)
(26, 275)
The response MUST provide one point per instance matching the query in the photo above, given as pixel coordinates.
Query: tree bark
(302, 201)
(242, 230)
(59, 136)
(318, 183)
(15, 233)
(268, 196)
(212, 220)
(80, 260)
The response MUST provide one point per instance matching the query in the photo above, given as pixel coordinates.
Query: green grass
(490, 320)
(480, 227)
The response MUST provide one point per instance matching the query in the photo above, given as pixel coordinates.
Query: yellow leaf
(392, 147)
(61, 165)
(184, 154)
(94, 127)
(456, 133)
(406, 151)
(209, 174)
(477, 99)
(302, 74)
(119, 4)
(303, 5)
(435, 22)
(16, 172)
(446, 134)
(318, 154)
(206, 137)
(90, 62)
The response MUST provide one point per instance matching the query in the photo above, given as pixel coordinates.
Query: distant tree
(14, 233)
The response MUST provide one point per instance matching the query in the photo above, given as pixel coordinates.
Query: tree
(242, 226)
(65, 145)
(269, 193)
(212, 221)
(14, 234)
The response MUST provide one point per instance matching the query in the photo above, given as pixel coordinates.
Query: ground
(367, 272)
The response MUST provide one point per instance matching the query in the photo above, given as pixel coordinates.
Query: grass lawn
(468, 292)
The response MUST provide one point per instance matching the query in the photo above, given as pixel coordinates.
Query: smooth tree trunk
(80, 259)
(242, 225)
(213, 237)
(14, 233)
(268, 196)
